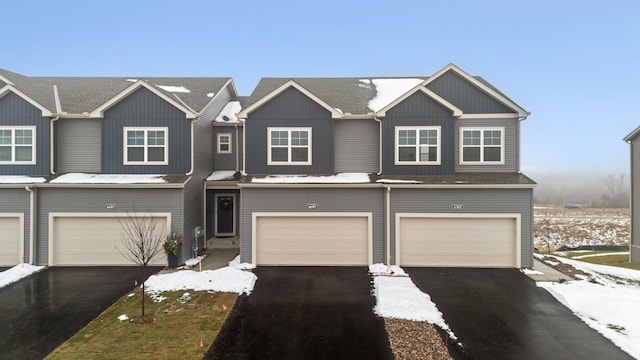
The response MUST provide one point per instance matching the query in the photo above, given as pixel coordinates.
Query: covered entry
(460, 240)
(312, 238)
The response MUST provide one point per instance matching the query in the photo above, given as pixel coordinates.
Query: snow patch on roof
(210, 95)
(388, 90)
(174, 89)
(228, 113)
(342, 178)
(80, 178)
(132, 80)
(19, 179)
(221, 175)
(396, 181)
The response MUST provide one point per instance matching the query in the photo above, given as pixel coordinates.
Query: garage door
(10, 236)
(471, 241)
(92, 240)
(318, 239)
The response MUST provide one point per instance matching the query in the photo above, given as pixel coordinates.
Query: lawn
(602, 257)
(177, 332)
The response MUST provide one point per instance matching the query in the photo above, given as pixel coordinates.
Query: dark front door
(225, 215)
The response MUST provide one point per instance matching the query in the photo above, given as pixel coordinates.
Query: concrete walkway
(547, 273)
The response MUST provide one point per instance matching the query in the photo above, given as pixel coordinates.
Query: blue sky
(573, 64)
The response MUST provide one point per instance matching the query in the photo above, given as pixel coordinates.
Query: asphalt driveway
(42, 311)
(501, 314)
(305, 313)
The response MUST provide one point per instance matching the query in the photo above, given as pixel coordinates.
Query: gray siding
(290, 109)
(328, 200)
(357, 146)
(635, 199)
(145, 109)
(474, 201)
(16, 111)
(193, 207)
(465, 96)
(86, 200)
(419, 110)
(205, 137)
(510, 142)
(228, 161)
(17, 201)
(78, 143)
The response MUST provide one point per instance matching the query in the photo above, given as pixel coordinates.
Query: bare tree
(141, 240)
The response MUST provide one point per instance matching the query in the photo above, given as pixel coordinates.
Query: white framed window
(417, 145)
(481, 146)
(18, 145)
(146, 145)
(289, 146)
(224, 143)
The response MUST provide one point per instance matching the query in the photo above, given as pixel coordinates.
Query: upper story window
(483, 146)
(289, 146)
(224, 143)
(417, 145)
(17, 145)
(146, 146)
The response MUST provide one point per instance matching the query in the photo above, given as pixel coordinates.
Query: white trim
(215, 214)
(146, 129)
(490, 116)
(54, 215)
(20, 217)
(256, 215)
(5, 80)
(396, 147)
(9, 88)
(516, 216)
(482, 162)
(454, 109)
(13, 144)
(99, 111)
(335, 114)
(289, 161)
(230, 142)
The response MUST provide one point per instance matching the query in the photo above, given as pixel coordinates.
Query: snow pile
(221, 175)
(228, 113)
(17, 272)
(398, 297)
(609, 305)
(174, 89)
(194, 261)
(388, 90)
(227, 279)
(531, 272)
(236, 264)
(123, 317)
(20, 179)
(341, 178)
(80, 178)
(382, 269)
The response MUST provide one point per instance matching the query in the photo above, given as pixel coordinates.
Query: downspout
(237, 149)
(204, 213)
(192, 146)
(244, 149)
(52, 145)
(379, 144)
(388, 226)
(32, 205)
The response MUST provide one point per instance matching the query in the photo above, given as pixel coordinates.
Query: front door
(225, 215)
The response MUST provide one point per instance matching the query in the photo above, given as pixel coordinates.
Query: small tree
(142, 239)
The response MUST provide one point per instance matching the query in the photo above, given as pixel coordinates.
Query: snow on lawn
(609, 305)
(398, 297)
(236, 264)
(227, 279)
(601, 254)
(17, 272)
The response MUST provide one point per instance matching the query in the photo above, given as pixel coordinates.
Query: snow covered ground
(610, 303)
(17, 272)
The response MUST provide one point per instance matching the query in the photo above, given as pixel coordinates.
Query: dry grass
(620, 260)
(176, 333)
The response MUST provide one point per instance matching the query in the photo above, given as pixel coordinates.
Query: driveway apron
(305, 313)
(502, 314)
(42, 311)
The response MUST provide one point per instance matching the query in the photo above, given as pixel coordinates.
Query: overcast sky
(572, 64)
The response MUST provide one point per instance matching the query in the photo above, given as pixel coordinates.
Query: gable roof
(88, 96)
(632, 134)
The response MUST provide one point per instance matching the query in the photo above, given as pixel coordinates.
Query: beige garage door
(88, 241)
(312, 240)
(9, 241)
(457, 241)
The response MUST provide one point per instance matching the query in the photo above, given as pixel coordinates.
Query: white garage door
(470, 241)
(318, 239)
(93, 240)
(10, 234)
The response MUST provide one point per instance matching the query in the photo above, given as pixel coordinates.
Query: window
(289, 146)
(224, 143)
(417, 145)
(482, 146)
(145, 146)
(17, 145)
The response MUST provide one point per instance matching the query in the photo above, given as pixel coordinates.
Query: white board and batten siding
(460, 240)
(312, 239)
(94, 239)
(11, 238)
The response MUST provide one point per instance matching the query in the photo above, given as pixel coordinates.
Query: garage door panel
(458, 241)
(10, 241)
(313, 240)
